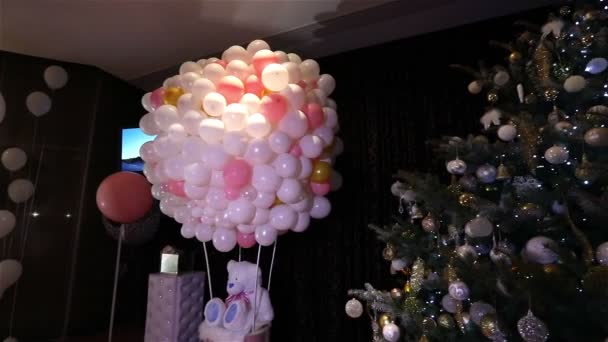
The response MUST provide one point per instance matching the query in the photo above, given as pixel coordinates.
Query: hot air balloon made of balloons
(244, 147)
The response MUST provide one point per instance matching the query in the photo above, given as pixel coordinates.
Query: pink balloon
(245, 240)
(262, 58)
(177, 188)
(157, 98)
(232, 193)
(237, 173)
(254, 85)
(232, 88)
(320, 189)
(296, 150)
(124, 197)
(221, 62)
(274, 107)
(315, 115)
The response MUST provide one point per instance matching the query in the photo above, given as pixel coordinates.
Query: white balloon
(327, 83)
(235, 117)
(224, 240)
(213, 72)
(186, 102)
(264, 200)
(211, 130)
(249, 193)
(294, 124)
(201, 88)
(2, 107)
(195, 192)
(174, 167)
(306, 168)
(192, 121)
(326, 134)
(265, 179)
(10, 272)
(331, 117)
(282, 217)
(177, 132)
(281, 56)
(182, 214)
(204, 232)
(256, 46)
(251, 102)
(302, 223)
(258, 126)
(165, 116)
(320, 207)
(335, 180)
(239, 69)
(188, 231)
(216, 199)
(14, 158)
(294, 58)
(317, 96)
(287, 166)
(236, 52)
(241, 211)
(38, 103)
(290, 191)
(190, 66)
(217, 178)
(293, 70)
(214, 104)
(311, 146)
(246, 228)
(7, 222)
(279, 142)
(148, 153)
(235, 143)
(295, 95)
(309, 69)
(275, 77)
(187, 80)
(193, 149)
(332, 104)
(20, 190)
(259, 152)
(166, 147)
(197, 174)
(148, 124)
(55, 77)
(303, 205)
(261, 216)
(172, 82)
(215, 157)
(265, 235)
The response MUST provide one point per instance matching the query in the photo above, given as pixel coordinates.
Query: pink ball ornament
(237, 173)
(245, 240)
(320, 189)
(274, 107)
(315, 115)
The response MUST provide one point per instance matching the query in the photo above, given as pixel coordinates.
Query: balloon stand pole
(255, 293)
(115, 290)
(208, 270)
(274, 251)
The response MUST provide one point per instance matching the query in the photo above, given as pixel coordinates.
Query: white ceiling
(131, 38)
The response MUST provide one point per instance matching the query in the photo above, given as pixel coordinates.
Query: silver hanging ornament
(458, 290)
(353, 308)
(456, 166)
(520, 93)
(467, 253)
(430, 224)
(532, 329)
(478, 227)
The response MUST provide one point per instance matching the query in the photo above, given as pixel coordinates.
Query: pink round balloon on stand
(237, 173)
(124, 197)
(245, 240)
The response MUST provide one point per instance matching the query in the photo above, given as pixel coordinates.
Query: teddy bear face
(241, 277)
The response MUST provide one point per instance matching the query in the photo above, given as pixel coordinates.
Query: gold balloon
(384, 319)
(388, 253)
(446, 321)
(172, 94)
(467, 199)
(321, 172)
(597, 137)
(492, 97)
(277, 201)
(490, 326)
(515, 57)
(396, 293)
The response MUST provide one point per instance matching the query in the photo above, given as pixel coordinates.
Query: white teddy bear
(233, 319)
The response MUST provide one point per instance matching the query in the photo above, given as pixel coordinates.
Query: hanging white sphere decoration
(475, 87)
(353, 308)
(540, 250)
(556, 155)
(456, 166)
(20, 190)
(55, 77)
(501, 78)
(507, 132)
(479, 309)
(391, 332)
(449, 304)
(574, 84)
(479, 227)
(13, 158)
(596, 65)
(38, 103)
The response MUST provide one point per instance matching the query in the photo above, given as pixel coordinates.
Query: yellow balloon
(277, 201)
(172, 95)
(321, 172)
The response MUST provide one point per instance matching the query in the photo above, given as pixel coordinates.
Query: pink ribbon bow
(243, 295)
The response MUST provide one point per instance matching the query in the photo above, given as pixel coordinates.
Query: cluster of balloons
(38, 102)
(245, 145)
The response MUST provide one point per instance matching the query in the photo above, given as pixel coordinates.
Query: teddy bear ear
(230, 265)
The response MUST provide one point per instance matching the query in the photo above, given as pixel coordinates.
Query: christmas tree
(511, 243)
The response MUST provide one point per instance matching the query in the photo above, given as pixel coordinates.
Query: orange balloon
(172, 94)
(124, 197)
(321, 172)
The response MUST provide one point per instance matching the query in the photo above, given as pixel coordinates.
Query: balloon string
(208, 270)
(274, 250)
(115, 290)
(240, 255)
(255, 292)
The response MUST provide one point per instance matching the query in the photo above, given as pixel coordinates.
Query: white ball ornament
(190, 66)
(200, 89)
(295, 95)
(556, 155)
(331, 117)
(479, 227)
(192, 121)
(283, 217)
(449, 303)
(540, 250)
(265, 180)
(302, 223)
(311, 146)
(456, 167)
(251, 102)
(596, 65)
(601, 253)
(507, 132)
(475, 87)
(165, 116)
(259, 152)
(501, 78)
(353, 308)
(290, 191)
(275, 77)
(391, 332)
(241, 211)
(187, 80)
(256, 46)
(458, 290)
(294, 58)
(574, 84)
(239, 69)
(214, 72)
(287, 166)
(293, 70)
(294, 124)
(235, 143)
(236, 52)
(281, 56)
(320, 207)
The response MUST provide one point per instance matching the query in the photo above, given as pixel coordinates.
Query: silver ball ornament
(458, 290)
(501, 78)
(399, 264)
(449, 304)
(601, 254)
(456, 167)
(507, 132)
(556, 155)
(574, 84)
(532, 329)
(479, 227)
(353, 308)
(467, 253)
(480, 309)
(486, 173)
(475, 87)
(391, 332)
(539, 249)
